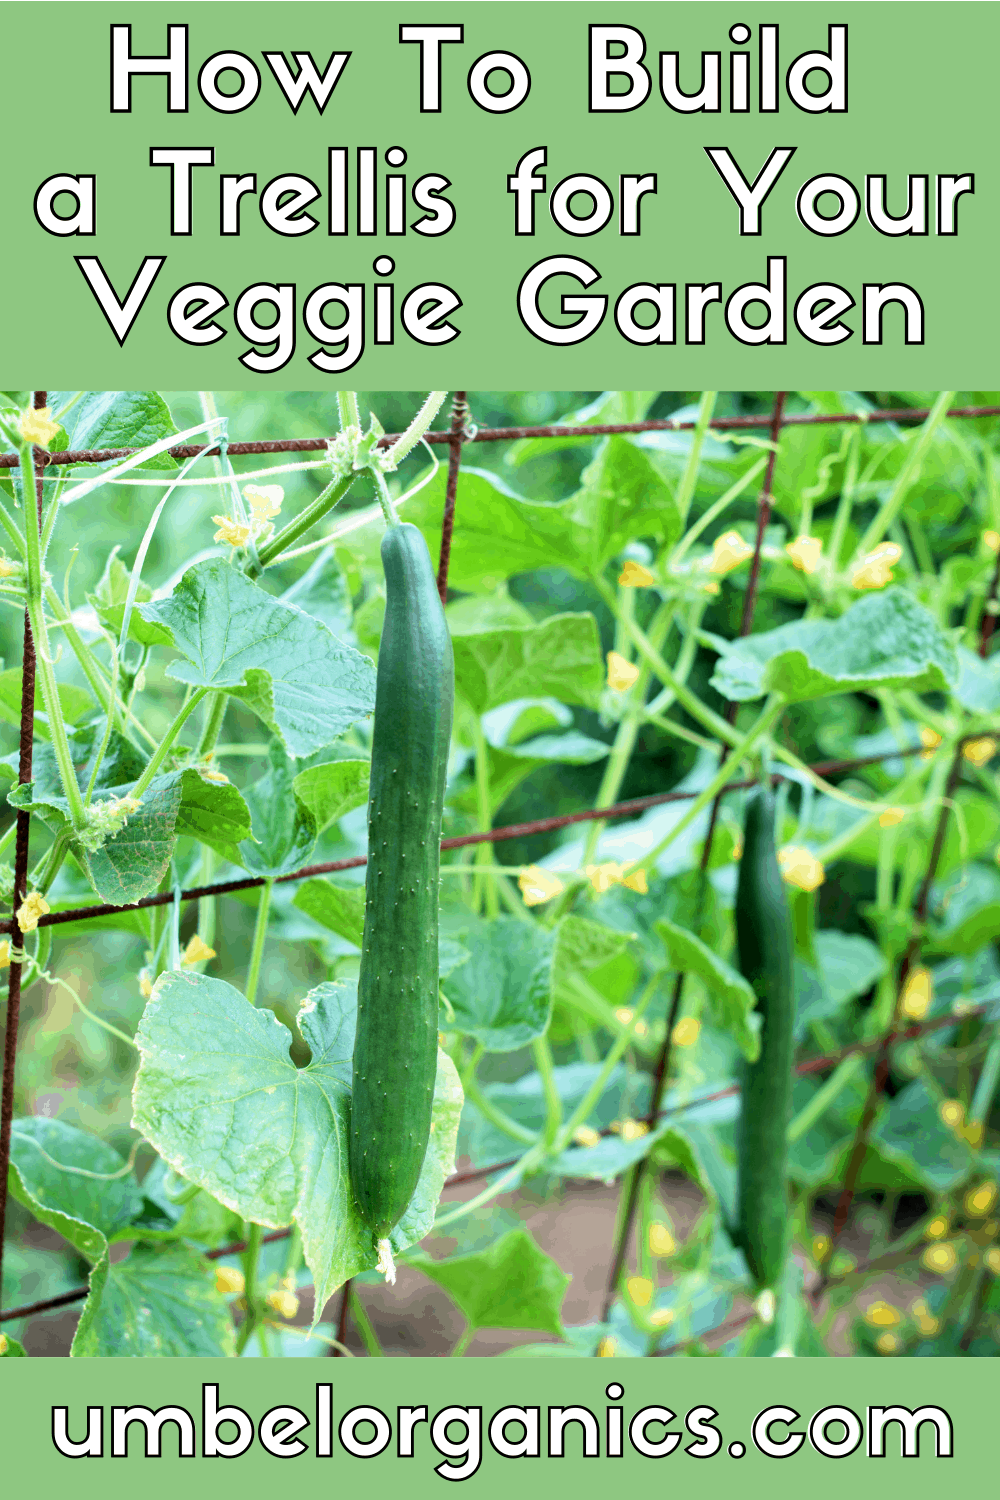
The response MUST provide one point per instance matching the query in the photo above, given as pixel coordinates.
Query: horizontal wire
(459, 841)
(824, 1064)
(513, 434)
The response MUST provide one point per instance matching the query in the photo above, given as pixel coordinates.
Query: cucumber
(395, 1045)
(764, 945)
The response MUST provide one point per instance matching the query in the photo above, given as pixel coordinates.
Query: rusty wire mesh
(456, 437)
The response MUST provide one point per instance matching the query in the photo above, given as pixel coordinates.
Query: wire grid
(456, 437)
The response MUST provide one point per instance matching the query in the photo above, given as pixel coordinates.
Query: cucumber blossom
(764, 945)
(395, 1046)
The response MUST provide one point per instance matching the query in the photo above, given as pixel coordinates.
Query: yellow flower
(264, 500)
(882, 1315)
(5, 954)
(821, 1247)
(925, 1319)
(284, 1301)
(728, 552)
(937, 1228)
(7, 568)
(145, 983)
(661, 1241)
(209, 773)
(38, 427)
(603, 877)
(633, 1130)
(887, 1343)
(621, 673)
(992, 1258)
(640, 1289)
(3, 1343)
(940, 1258)
(586, 1135)
(875, 570)
(805, 553)
(31, 908)
(992, 540)
(607, 1348)
(930, 740)
(197, 951)
(537, 885)
(662, 1317)
(686, 1032)
(974, 1134)
(800, 867)
(641, 1029)
(634, 576)
(636, 881)
(710, 588)
(979, 1201)
(891, 817)
(952, 1113)
(228, 1280)
(624, 1015)
(766, 1306)
(918, 992)
(230, 531)
(980, 752)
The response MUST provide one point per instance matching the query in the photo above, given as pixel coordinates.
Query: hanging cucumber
(764, 944)
(395, 1046)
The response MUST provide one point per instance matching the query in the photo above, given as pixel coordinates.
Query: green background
(737, 1389)
(921, 100)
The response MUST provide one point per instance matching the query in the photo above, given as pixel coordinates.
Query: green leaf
(159, 1303)
(560, 657)
(284, 829)
(10, 1348)
(583, 947)
(622, 495)
(510, 1284)
(341, 908)
(116, 419)
(609, 408)
(978, 686)
(730, 996)
(966, 907)
(73, 1182)
(323, 593)
(74, 702)
(912, 1133)
(305, 685)
(502, 995)
(108, 603)
(886, 640)
(222, 1102)
(332, 789)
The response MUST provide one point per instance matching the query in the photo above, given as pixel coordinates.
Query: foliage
(203, 714)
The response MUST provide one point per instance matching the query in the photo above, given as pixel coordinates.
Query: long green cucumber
(395, 1045)
(764, 944)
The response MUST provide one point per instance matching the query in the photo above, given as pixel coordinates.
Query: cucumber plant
(772, 969)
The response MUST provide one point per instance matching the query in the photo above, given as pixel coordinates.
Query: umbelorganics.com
(461, 1436)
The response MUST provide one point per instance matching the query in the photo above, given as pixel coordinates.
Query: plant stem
(46, 675)
(464, 1342)
(363, 1324)
(841, 1077)
(768, 716)
(259, 935)
(716, 509)
(347, 406)
(160, 755)
(590, 1098)
(893, 504)
(689, 479)
(542, 1053)
(321, 506)
(411, 437)
(484, 887)
(489, 1111)
(212, 726)
(254, 1302)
